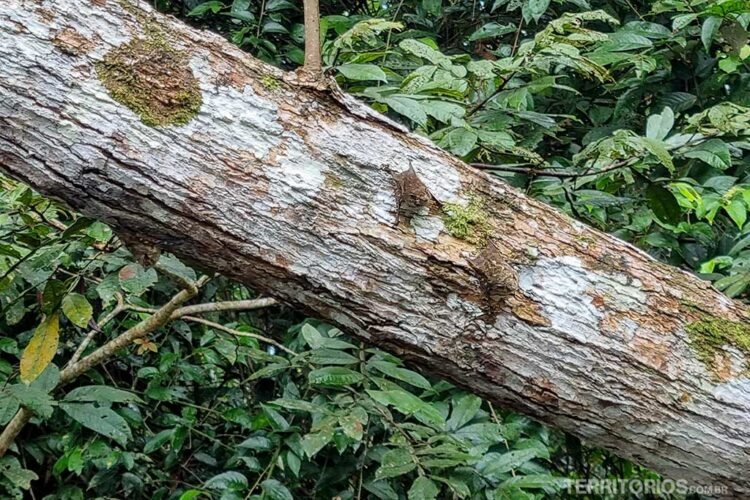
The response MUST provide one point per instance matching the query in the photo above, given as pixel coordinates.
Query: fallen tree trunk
(307, 195)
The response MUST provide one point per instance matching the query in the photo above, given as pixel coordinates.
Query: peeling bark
(295, 191)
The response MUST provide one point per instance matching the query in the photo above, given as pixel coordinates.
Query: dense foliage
(629, 115)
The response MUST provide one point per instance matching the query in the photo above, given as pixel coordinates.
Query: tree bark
(299, 192)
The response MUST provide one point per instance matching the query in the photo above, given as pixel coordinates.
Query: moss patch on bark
(467, 222)
(709, 335)
(152, 79)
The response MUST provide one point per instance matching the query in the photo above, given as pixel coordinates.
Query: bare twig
(120, 307)
(232, 331)
(312, 37)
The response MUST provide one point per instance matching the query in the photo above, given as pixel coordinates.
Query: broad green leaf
(407, 107)
(229, 480)
(101, 394)
(54, 291)
(158, 440)
(335, 376)
(395, 463)
(464, 409)
(99, 419)
(493, 465)
(409, 404)
(423, 489)
(135, 280)
(314, 442)
(424, 51)
(459, 141)
(715, 152)
(312, 336)
(77, 309)
(274, 490)
(658, 149)
(332, 357)
(213, 6)
(33, 398)
(662, 202)
(362, 72)
(11, 469)
(491, 30)
(8, 407)
(534, 9)
(175, 266)
(709, 29)
(41, 348)
(737, 211)
(658, 126)
(402, 374)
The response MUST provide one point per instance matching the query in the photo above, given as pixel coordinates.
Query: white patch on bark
(565, 289)
(427, 227)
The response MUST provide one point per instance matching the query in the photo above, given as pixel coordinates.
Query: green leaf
(423, 489)
(715, 152)
(663, 203)
(407, 107)
(334, 376)
(274, 490)
(658, 149)
(362, 72)
(312, 336)
(493, 465)
(491, 30)
(135, 280)
(213, 6)
(175, 266)
(158, 440)
(332, 357)
(99, 419)
(737, 211)
(534, 9)
(77, 309)
(402, 374)
(465, 407)
(41, 348)
(709, 29)
(33, 398)
(658, 126)
(230, 480)
(8, 407)
(409, 404)
(396, 462)
(459, 141)
(101, 394)
(54, 291)
(314, 442)
(11, 469)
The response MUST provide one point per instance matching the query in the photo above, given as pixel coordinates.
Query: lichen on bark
(153, 79)
(467, 222)
(709, 336)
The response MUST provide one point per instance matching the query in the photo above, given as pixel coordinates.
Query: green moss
(467, 222)
(270, 82)
(153, 79)
(709, 335)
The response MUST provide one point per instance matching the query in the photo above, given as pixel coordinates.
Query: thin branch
(120, 307)
(232, 331)
(312, 37)
(487, 99)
